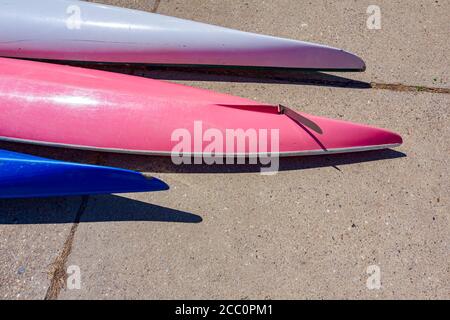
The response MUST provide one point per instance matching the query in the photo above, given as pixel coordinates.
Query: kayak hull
(83, 31)
(96, 110)
(24, 176)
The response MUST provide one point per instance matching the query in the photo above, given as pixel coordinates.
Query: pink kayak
(72, 107)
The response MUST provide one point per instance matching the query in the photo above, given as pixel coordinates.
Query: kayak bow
(83, 31)
(24, 176)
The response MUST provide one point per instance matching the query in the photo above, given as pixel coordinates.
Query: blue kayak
(24, 176)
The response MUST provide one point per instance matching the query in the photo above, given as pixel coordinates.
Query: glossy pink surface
(66, 106)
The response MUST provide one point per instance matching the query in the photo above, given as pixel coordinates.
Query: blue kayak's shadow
(108, 208)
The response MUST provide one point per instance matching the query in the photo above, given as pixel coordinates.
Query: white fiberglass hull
(83, 31)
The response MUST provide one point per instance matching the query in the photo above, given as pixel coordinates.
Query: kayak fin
(301, 120)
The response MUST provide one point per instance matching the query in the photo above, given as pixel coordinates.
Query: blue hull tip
(25, 176)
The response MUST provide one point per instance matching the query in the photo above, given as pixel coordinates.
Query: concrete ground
(311, 231)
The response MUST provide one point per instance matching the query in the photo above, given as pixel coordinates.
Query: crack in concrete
(408, 88)
(156, 6)
(58, 272)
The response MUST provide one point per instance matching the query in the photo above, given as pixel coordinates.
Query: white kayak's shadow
(227, 74)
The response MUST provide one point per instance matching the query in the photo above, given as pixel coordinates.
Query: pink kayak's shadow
(165, 164)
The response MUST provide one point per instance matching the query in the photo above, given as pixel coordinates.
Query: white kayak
(84, 31)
